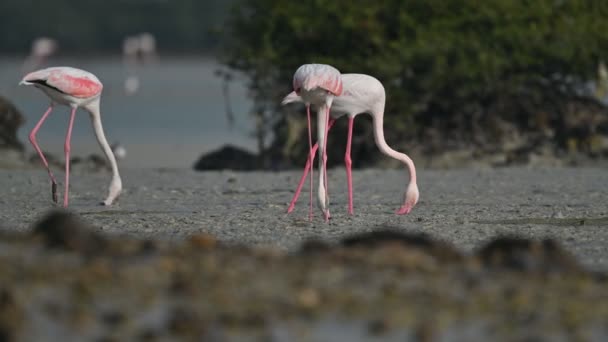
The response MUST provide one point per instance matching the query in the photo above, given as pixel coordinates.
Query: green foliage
(444, 63)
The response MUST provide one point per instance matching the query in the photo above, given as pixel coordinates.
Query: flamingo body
(77, 89)
(361, 94)
(65, 85)
(316, 79)
(364, 94)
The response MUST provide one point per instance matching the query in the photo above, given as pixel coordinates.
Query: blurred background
(468, 83)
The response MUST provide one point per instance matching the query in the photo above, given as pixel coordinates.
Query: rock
(375, 239)
(526, 255)
(185, 322)
(203, 241)
(61, 229)
(308, 298)
(11, 315)
(10, 121)
(228, 158)
(314, 245)
(92, 163)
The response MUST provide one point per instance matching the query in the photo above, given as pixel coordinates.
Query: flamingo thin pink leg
(296, 195)
(326, 213)
(66, 148)
(349, 163)
(310, 158)
(39, 151)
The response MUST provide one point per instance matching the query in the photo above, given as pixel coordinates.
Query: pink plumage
(70, 81)
(311, 76)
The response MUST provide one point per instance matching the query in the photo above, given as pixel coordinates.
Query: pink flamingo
(75, 88)
(318, 84)
(42, 49)
(362, 94)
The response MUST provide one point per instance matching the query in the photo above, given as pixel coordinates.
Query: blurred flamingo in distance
(137, 50)
(42, 48)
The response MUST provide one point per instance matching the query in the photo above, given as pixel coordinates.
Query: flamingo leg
(39, 151)
(327, 215)
(66, 147)
(348, 162)
(309, 161)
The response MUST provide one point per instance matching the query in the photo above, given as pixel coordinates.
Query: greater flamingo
(318, 84)
(78, 89)
(42, 49)
(361, 94)
(137, 50)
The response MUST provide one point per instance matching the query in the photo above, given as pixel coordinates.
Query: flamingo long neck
(93, 109)
(383, 146)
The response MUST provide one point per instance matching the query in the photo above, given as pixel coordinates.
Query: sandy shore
(464, 207)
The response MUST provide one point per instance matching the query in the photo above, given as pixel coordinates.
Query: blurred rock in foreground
(67, 282)
(10, 121)
(11, 149)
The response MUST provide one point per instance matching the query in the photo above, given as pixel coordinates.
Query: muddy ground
(213, 256)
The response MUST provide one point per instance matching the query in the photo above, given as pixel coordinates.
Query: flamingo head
(27, 80)
(411, 198)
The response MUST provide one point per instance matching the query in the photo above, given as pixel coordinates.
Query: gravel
(465, 207)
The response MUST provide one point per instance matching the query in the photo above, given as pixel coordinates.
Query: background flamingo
(42, 48)
(75, 88)
(137, 50)
(317, 84)
(362, 94)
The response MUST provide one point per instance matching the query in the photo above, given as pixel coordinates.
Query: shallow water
(177, 114)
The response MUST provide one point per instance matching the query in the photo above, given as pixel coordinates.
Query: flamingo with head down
(361, 94)
(77, 89)
(318, 85)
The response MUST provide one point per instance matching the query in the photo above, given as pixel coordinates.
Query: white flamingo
(361, 94)
(77, 89)
(317, 85)
(42, 48)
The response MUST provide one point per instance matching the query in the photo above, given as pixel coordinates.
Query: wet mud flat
(464, 207)
(63, 280)
(213, 256)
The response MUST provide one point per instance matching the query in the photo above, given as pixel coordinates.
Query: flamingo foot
(54, 192)
(326, 215)
(108, 202)
(404, 210)
(114, 191)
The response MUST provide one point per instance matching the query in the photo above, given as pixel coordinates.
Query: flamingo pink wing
(75, 85)
(311, 76)
(330, 82)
